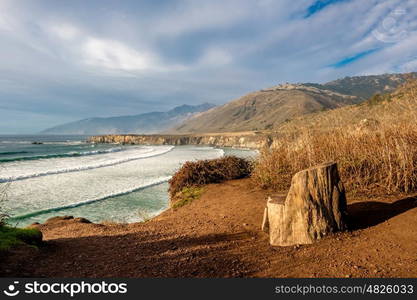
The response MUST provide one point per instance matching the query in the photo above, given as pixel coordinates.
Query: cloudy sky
(66, 60)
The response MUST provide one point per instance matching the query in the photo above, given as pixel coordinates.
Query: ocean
(47, 176)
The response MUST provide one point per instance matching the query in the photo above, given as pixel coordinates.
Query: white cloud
(160, 55)
(410, 66)
(215, 57)
(115, 55)
(193, 16)
(64, 31)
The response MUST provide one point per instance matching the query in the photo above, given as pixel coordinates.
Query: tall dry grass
(370, 160)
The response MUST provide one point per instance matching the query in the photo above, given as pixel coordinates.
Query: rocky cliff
(247, 140)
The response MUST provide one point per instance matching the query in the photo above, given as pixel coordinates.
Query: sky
(62, 61)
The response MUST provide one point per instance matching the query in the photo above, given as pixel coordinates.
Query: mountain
(143, 123)
(367, 86)
(392, 108)
(269, 108)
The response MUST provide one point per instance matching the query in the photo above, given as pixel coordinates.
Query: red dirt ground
(219, 235)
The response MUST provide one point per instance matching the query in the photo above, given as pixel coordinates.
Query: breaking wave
(89, 201)
(47, 156)
(80, 165)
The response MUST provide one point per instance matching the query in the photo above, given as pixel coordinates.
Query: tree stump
(314, 207)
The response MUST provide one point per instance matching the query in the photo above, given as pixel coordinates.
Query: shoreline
(27, 219)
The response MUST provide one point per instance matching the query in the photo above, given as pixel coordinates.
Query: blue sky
(66, 60)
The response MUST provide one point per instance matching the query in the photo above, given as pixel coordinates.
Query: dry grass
(386, 109)
(374, 144)
(369, 160)
(208, 171)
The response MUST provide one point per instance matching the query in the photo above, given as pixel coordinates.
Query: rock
(314, 207)
(82, 220)
(34, 225)
(247, 140)
(59, 218)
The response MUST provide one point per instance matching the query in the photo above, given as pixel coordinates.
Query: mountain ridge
(150, 122)
(268, 108)
(399, 105)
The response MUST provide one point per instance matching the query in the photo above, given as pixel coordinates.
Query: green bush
(186, 196)
(11, 236)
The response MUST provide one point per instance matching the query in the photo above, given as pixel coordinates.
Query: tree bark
(314, 207)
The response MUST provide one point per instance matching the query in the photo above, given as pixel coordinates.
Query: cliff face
(252, 141)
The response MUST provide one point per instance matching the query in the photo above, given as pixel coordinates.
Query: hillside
(367, 86)
(379, 109)
(142, 123)
(269, 108)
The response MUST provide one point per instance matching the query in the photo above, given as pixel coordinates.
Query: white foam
(30, 169)
(220, 151)
(88, 201)
(66, 190)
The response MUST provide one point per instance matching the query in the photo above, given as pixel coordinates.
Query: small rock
(82, 220)
(59, 218)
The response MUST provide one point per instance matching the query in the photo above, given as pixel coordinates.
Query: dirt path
(219, 236)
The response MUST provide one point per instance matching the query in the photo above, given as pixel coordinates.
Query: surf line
(87, 202)
(63, 155)
(117, 162)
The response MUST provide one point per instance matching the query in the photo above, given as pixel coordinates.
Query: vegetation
(187, 195)
(375, 145)
(366, 86)
(378, 98)
(10, 237)
(384, 159)
(201, 172)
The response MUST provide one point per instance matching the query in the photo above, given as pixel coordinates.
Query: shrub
(195, 173)
(10, 236)
(378, 98)
(187, 195)
(382, 159)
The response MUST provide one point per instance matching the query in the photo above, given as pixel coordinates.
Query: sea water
(65, 175)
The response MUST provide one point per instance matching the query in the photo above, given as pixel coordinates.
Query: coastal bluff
(251, 140)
